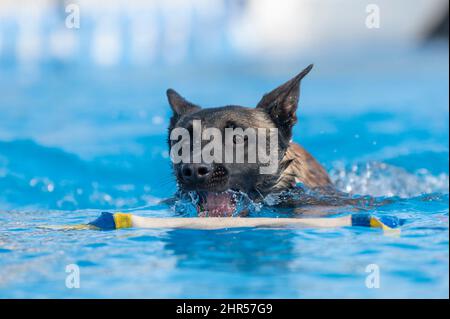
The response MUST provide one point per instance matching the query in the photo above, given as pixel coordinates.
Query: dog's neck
(298, 166)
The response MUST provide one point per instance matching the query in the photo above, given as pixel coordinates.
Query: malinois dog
(214, 180)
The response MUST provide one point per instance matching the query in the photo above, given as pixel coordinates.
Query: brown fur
(301, 167)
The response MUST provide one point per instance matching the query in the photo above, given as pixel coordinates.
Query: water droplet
(50, 188)
(157, 120)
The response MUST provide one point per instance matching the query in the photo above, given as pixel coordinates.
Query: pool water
(75, 141)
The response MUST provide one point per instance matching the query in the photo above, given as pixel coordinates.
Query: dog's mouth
(216, 204)
(229, 203)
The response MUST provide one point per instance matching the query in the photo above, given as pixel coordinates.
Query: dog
(213, 181)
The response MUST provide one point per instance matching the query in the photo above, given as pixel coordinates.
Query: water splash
(381, 179)
(359, 186)
(187, 204)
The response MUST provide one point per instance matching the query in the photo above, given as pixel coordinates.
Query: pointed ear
(281, 103)
(179, 105)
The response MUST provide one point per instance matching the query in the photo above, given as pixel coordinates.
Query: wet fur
(301, 167)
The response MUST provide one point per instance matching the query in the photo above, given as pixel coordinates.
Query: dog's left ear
(281, 103)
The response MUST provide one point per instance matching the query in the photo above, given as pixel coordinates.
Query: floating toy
(110, 221)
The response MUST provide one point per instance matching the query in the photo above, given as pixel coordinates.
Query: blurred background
(83, 112)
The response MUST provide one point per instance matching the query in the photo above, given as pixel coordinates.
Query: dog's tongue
(217, 205)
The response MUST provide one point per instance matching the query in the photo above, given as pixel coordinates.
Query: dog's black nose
(195, 172)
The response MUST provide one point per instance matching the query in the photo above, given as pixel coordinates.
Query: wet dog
(212, 181)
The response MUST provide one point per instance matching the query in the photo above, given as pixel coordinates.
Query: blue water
(78, 140)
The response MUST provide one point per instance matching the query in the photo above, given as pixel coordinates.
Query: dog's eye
(239, 139)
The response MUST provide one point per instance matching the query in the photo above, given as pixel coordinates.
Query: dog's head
(224, 130)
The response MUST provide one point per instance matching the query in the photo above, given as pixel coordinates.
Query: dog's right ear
(179, 105)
